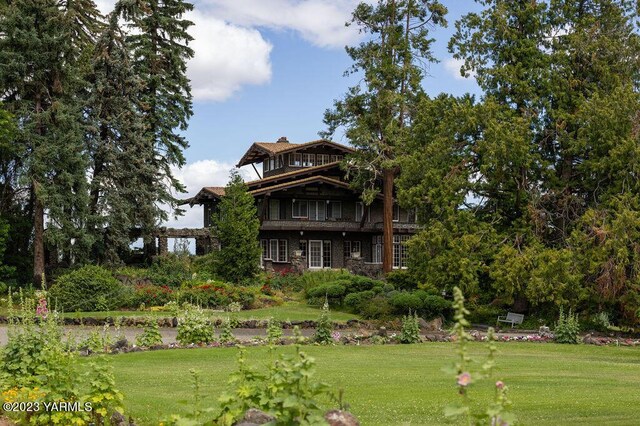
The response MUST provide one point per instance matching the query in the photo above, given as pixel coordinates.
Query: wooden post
(387, 221)
(163, 246)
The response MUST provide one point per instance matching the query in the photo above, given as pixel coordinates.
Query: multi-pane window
(351, 248)
(322, 159)
(334, 210)
(412, 216)
(376, 247)
(276, 250)
(317, 210)
(295, 159)
(308, 160)
(326, 254)
(300, 209)
(336, 158)
(265, 165)
(400, 252)
(303, 247)
(396, 213)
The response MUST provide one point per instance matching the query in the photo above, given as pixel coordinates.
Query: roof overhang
(261, 150)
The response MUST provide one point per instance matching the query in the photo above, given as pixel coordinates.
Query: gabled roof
(301, 182)
(291, 175)
(260, 150)
(206, 193)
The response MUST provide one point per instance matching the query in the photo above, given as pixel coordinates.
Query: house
(308, 212)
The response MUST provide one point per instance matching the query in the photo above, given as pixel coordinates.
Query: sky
(270, 68)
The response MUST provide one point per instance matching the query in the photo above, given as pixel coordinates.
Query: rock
(255, 417)
(433, 325)
(174, 322)
(117, 419)
(382, 332)
(341, 418)
(122, 343)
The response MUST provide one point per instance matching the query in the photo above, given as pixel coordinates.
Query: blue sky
(270, 68)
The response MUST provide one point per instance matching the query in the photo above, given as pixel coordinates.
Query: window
(308, 160)
(278, 250)
(317, 210)
(322, 159)
(396, 213)
(376, 246)
(272, 163)
(300, 209)
(265, 165)
(351, 247)
(274, 209)
(412, 216)
(335, 158)
(334, 210)
(303, 247)
(360, 208)
(400, 251)
(295, 159)
(326, 254)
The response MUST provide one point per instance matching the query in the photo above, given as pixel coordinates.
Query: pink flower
(41, 309)
(500, 384)
(335, 335)
(464, 379)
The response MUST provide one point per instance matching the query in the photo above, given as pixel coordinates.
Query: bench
(512, 319)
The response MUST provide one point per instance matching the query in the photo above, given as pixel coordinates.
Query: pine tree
(123, 182)
(236, 226)
(41, 78)
(159, 41)
(376, 113)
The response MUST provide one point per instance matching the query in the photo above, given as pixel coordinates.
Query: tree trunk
(38, 241)
(387, 220)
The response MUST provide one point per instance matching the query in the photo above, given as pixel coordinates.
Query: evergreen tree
(376, 113)
(41, 50)
(159, 41)
(236, 226)
(123, 181)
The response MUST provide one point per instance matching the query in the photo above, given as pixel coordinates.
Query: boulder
(433, 325)
(341, 418)
(254, 416)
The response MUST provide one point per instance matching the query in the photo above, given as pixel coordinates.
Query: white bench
(512, 319)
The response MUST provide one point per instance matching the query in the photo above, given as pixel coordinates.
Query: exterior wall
(287, 168)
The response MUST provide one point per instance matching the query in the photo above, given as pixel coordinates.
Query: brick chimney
(283, 139)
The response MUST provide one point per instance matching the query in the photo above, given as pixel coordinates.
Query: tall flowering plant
(496, 412)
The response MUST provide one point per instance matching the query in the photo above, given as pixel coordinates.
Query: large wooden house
(308, 211)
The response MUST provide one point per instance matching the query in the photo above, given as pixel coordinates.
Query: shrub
(220, 295)
(356, 301)
(150, 295)
(90, 288)
(150, 335)
(286, 390)
(194, 326)
(274, 330)
(410, 332)
(226, 333)
(323, 327)
(376, 308)
(402, 280)
(406, 302)
(170, 270)
(567, 328)
(334, 292)
(310, 279)
(434, 306)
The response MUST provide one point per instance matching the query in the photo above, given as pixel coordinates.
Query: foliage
(235, 224)
(38, 367)
(5, 271)
(274, 330)
(410, 332)
(90, 288)
(402, 280)
(170, 270)
(148, 295)
(226, 333)
(497, 411)
(221, 295)
(567, 328)
(193, 326)
(285, 391)
(324, 328)
(150, 335)
(310, 279)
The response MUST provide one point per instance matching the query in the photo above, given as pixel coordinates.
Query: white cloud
(194, 177)
(321, 22)
(453, 66)
(227, 56)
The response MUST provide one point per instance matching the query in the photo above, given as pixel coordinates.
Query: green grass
(289, 311)
(398, 385)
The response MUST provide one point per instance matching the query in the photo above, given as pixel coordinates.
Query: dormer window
(322, 159)
(335, 158)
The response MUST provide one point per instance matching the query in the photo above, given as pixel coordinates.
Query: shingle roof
(305, 181)
(259, 150)
(294, 173)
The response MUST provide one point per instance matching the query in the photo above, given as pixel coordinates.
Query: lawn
(289, 311)
(404, 384)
